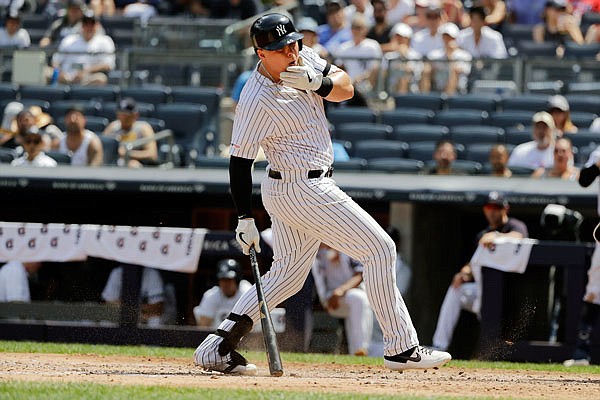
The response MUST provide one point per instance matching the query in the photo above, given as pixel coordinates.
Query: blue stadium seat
(109, 109)
(98, 93)
(212, 162)
(156, 124)
(406, 115)
(525, 103)
(60, 158)
(373, 148)
(518, 135)
(468, 134)
(582, 119)
(424, 150)
(420, 133)
(353, 164)
(153, 94)
(110, 149)
(521, 171)
(431, 101)
(532, 49)
(452, 118)
(584, 138)
(362, 131)
(35, 21)
(584, 103)
(585, 88)
(209, 96)
(344, 115)
(574, 50)
(473, 102)
(8, 91)
(395, 165)
(507, 119)
(480, 152)
(58, 109)
(7, 155)
(186, 121)
(460, 166)
(514, 33)
(48, 93)
(96, 124)
(117, 22)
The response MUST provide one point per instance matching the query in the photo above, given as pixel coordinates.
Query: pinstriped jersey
(289, 124)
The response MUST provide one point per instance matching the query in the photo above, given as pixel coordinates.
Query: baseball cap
(127, 105)
(497, 199)
(449, 29)
(402, 29)
(544, 117)
(13, 15)
(558, 101)
(89, 15)
(307, 24)
(334, 5)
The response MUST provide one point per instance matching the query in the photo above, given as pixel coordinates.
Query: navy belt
(312, 174)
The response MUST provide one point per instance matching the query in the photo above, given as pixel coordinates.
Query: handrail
(138, 143)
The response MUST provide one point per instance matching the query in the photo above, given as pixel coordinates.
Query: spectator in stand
(430, 39)
(526, 12)
(540, 151)
(33, 145)
(406, 74)
(12, 35)
(563, 167)
(66, 25)
(381, 30)
(309, 28)
(363, 7)
(454, 12)
(558, 107)
(479, 40)
(81, 144)
(85, 58)
(362, 72)
(102, 7)
(558, 26)
(498, 159)
(450, 75)
(418, 21)
(127, 128)
(34, 117)
(398, 10)
(14, 282)
(336, 31)
(444, 155)
(234, 9)
(496, 13)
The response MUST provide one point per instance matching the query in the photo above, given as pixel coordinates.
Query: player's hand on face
(303, 77)
(247, 235)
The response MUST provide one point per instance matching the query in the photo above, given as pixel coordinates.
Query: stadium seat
(574, 50)
(525, 103)
(584, 103)
(48, 93)
(353, 164)
(584, 138)
(209, 96)
(507, 119)
(7, 155)
(110, 149)
(480, 152)
(186, 122)
(432, 101)
(521, 171)
(153, 94)
(395, 165)
(369, 149)
(111, 23)
(460, 166)
(518, 135)
(424, 150)
(363, 131)
(212, 162)
(583, 153)
(96, 124)
(583, 119)
(123, 38)
(60, 158)
(532, 49)
(109, 109)
(469, 134)
(472, 102)
(344, 115)
(8, 91)
(406, 115)
(420, 133)
(98, 93)
(586, 88)
(35, 21)
(156, 124)
(514, 33)
(452, 118)
(58, 109)
(164, 74)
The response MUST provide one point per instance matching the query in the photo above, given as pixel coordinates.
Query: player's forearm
(240, 182)
(342, 87)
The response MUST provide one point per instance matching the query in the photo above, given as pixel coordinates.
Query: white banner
(173, 249)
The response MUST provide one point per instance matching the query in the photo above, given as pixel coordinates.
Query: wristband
(326, 87)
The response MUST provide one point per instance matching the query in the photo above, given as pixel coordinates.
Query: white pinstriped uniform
(292, 128)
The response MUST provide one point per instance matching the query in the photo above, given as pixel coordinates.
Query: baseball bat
(275, 367)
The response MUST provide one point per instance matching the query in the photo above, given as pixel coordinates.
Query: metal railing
(168, 150)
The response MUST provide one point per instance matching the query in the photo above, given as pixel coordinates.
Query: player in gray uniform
(281, 109)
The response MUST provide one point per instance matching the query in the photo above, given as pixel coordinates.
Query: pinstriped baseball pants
(304, 213)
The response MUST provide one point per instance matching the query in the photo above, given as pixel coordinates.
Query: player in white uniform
(281, 109)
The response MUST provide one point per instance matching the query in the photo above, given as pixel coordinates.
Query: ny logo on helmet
(281, 30)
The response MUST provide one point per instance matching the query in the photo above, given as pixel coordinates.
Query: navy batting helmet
(229, 269)
(273, 32)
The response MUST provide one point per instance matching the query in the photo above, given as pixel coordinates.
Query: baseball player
(218, 301)
(591, 299)
(281, 109)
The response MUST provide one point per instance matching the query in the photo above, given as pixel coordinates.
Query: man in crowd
(84, 147)
(480, 40)
(12, 35)
(336, 31)
(69, 24)
(540, 151)
(33, 144)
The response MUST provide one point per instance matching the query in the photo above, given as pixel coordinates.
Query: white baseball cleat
(576, 362)
(417, 358)
(238, 365)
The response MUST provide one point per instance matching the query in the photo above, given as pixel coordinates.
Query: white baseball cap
(544, 117)
(402, 29)
(558, 101)
(449, 29)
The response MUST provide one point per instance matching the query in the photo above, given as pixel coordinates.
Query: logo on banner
(31, 243)
(156, 234)
(54, 242)
(120, 242)
(164, 249)
(9, 244)
(133, 231)
(178, 238)
(142, 246)
(67, 229)
(21, 231)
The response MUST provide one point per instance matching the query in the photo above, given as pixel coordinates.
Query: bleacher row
(192, 113)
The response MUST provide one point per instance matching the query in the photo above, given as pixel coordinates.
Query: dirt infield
(321, 378)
